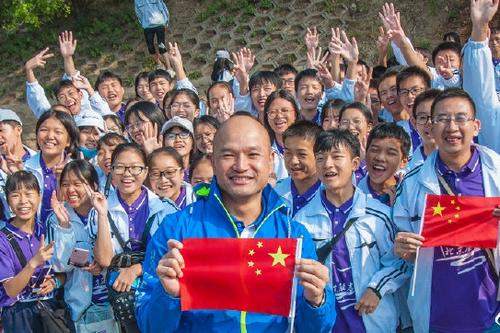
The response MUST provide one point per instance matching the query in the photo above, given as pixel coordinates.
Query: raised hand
(444, 68)
(39, 60)
(348, 49)
(311, 38)
(382, 41)
(248, 58)
(224, 110)
(174, 55)
(67, 45)
(151, 139)
(314, 58)
(82, 83)
(325, 75)
(392, 22)
(482, 11)
(241, 73)
(362, 86)
(43, 254)
(98, 200)
(170, 267)
(9, 163)
(59, 210)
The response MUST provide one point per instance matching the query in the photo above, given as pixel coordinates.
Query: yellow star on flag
(251, 252)
(258, 272)
(279, 257)
(251, 263)
(259, 244)
(438, 210)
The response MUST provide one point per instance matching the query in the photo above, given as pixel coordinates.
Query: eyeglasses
(182, 135)
(135, 170)
(460, 119)
(347, 122)
(422, 120)
(185, 106)
(156, 174)
(274, 113)
(137, 125)
(414, 91)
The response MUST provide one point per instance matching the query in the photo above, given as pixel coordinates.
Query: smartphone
(79, 258)
(40, 277)
(114, 275)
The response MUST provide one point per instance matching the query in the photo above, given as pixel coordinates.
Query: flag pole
(414, 277)
(293, 301)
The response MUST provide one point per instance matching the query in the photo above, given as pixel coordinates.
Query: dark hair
(107, 75)
(307, 73)
(115, 119)
(110, 139)
(453, 93)
(149, 110)
(391, 131)
(65, 83)
(191, 95)
(159, 74)
(378, 71)
(411, 72)
(446, 46)
(430, 94)
(453, 35)
(129, 146)
(69, 124)
(19, 180)
(390, 72)
(334, 139)
(285, 69)
(220, 65)
(84, 171)
(303, 129)
(206, 119)
(138, 78)
(358, 106)
(329, 105)
(364, 64)
(283, 94)
(222, 84)
(197, 159)
(11, 123)
(169, 151)
(263, 77)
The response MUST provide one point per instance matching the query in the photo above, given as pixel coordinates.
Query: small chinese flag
(251, 274)
(464, 221)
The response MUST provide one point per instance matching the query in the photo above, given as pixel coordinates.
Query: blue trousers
(23, 317)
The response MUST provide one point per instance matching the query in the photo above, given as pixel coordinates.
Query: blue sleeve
(37, 100)
(309, 318)
(99, 105)
(152, 302)
(165, 12)
(186, 84)
(344, 92)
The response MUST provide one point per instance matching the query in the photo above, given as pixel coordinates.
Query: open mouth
(24, 210)
(453, 139)
(330, 174)
(240, 180)
(309, 99)
(377, 170)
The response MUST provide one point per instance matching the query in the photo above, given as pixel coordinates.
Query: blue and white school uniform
(279, 161)
(295, 201)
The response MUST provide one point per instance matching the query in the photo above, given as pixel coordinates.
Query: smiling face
(136, 127)
(331, 119)
(180, 139)
(335, 168)
(299, 158)
(422, 112)
(159, 87)
(10, 136)
(280, 115)
(354, 121)
(288, 80)
(183, 107)
(454, 139)
(220, 96)
(143, 90)
(204, 137)
(71, 98)
(24, 203)
(165, 176)
(112, 91)
(409, 89)
(383, 158)
(129, 182)
(52, 137)
(259, 94)
(88, 137)
(242, 159)
(388, 93)
(309, 93)
(104, 156)
(73, 190)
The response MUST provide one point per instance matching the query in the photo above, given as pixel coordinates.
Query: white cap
(90, 118)
(6, 114)
(178, 122)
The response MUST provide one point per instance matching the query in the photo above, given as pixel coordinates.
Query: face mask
(88, 153)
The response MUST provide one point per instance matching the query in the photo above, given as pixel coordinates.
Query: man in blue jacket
(240, 204)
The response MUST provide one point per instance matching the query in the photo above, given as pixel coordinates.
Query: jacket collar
(315, 206)
(154, 203)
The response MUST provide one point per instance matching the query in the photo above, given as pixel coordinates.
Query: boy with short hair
(387, 150)
(287, 73)
(354, 235)
(302, 184)
(110, 87)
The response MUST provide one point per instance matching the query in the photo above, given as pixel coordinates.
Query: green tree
(31, 13)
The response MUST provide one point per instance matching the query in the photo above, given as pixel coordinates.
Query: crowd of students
(340, 154)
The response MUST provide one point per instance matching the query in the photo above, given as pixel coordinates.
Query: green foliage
(195, 75)
(215, 8)
(266, 4)
(31, 13)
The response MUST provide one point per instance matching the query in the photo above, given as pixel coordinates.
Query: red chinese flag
(251, 274)
(460, 221)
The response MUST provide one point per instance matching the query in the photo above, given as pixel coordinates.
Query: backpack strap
(147, 228)
(15, 246)
(115, 231)
(326, 249)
